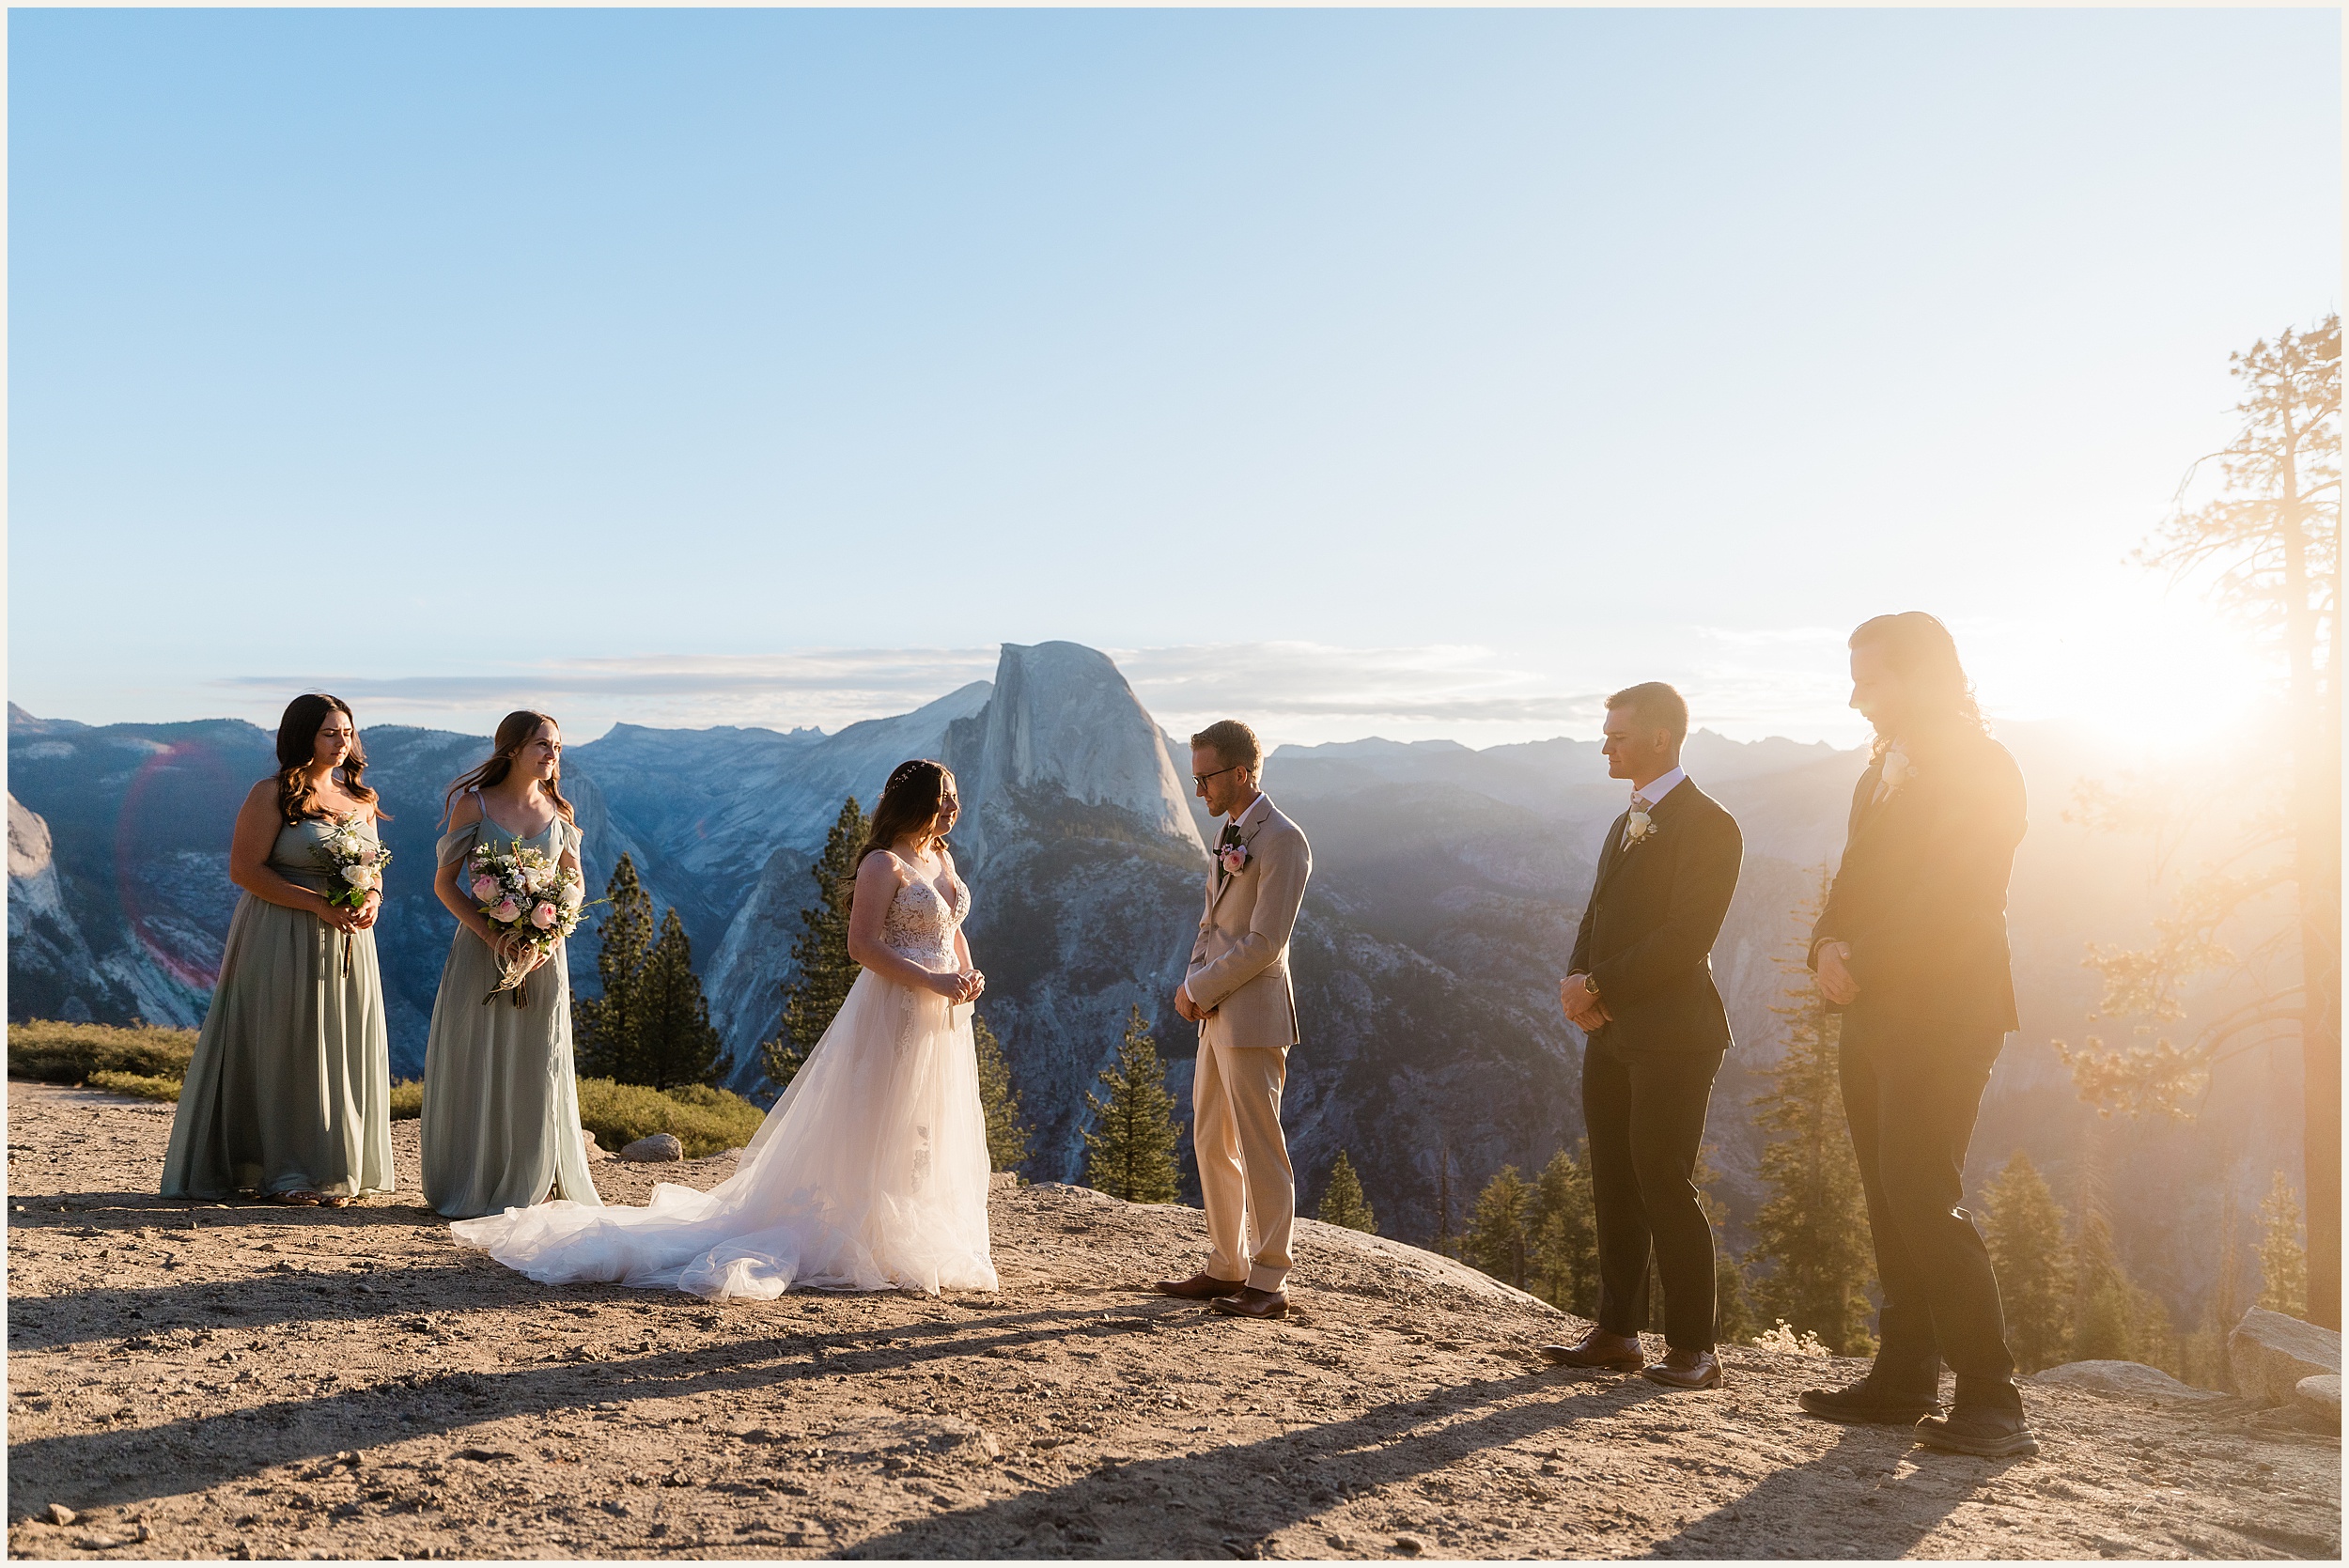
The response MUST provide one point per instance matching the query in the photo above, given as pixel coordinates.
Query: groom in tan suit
(1237, 990)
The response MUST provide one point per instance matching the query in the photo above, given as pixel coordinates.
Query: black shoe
(1868, 1402)
(1987, 1431)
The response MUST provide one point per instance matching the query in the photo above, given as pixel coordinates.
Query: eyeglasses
(1203, 778)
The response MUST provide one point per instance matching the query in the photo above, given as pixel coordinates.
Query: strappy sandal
(297, 1197)
(336, 1199)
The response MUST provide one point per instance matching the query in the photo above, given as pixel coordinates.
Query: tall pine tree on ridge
(822, 969)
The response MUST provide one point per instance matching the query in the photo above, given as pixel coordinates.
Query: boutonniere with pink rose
(1234, 857)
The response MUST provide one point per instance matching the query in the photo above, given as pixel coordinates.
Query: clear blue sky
(1404, 373)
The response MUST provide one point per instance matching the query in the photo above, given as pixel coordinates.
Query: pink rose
(505, 913)
(484, 889)
(1234, 857)
(543, 916)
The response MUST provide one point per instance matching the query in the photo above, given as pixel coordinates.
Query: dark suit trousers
(1911, 1093)
(1645, 1113)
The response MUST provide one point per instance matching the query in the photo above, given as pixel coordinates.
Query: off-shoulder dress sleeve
(457, 843)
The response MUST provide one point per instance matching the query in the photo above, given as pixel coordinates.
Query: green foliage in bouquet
(822, 969)
(1129, 1149)
(707, 1121)
(50, 1053)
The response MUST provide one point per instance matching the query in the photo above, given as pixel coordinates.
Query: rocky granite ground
(246, 1382)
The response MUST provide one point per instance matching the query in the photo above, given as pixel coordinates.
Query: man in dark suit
(1642, 992)
(1912, 949)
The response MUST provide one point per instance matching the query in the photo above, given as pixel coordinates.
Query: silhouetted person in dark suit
(1912, 949)
(1642, 992)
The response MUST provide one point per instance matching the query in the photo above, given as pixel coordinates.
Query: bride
(871, 1172)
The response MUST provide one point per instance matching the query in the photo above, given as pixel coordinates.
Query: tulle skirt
(870, 1173)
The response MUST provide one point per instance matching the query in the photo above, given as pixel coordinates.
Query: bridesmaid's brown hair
(298, 749)
(514, 732)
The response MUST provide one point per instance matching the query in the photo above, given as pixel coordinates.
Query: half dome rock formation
(1063, 730)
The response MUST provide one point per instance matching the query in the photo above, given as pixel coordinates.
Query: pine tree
(675, 1043)
(1342, 1200)
(1733, 1319)
(1812, 1232)
(2025, 1240)
(1496, 1240)
(2104, 1311)
(822, 969)
(1009, 1135)
(1444, 1245)
(605, 1028)
(2283, 1260)
(1563, 1226)
(1129, 1150)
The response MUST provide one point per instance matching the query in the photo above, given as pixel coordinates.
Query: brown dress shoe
(1599, 1349)
(1201, 1286)
(1250, 1302)
(1686, 1369)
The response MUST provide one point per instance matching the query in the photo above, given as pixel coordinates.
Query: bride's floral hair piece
(919, 800)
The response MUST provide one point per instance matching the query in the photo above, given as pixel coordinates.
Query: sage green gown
(501, 1108)
(291, 1085)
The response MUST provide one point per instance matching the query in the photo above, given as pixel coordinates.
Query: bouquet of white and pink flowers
(354, 868)
(526, 893)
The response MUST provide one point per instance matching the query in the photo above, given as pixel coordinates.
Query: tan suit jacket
(1239, 967)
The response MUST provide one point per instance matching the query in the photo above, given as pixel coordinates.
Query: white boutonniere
(1896, 769)
(1636, 827)
(1234, 857)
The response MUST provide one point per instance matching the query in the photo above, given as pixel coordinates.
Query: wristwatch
(1590, 985)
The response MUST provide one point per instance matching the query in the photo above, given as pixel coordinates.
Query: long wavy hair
(1920, 650)
(298, 750)
(514, 732)
(909, 804)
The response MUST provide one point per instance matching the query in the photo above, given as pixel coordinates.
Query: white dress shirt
(1660, 788)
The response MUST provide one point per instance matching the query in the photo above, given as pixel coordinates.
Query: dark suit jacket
(1647, 934)
(1921, 895)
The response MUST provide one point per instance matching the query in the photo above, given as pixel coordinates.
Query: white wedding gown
(870, 1173)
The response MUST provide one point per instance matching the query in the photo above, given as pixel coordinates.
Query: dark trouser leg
(1669, 1095)
(1912, 1094)
(1623, 1232)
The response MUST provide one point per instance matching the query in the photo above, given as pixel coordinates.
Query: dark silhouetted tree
(822, 972)
(1129, 1149)
(1342, 1200)
(606, 1027)
(675, 1043)
(1009, 1135)
(2025, 1235)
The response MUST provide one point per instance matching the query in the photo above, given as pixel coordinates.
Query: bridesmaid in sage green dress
(501, 1107)
(289, 1094)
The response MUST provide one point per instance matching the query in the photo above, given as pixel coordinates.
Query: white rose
(359, 875)
(573, 895)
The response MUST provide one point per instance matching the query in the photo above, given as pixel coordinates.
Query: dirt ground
(245, 1382)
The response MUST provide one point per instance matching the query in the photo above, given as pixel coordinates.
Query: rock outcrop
(2317, 1401)
(2133, 1379)
(2269, 1354)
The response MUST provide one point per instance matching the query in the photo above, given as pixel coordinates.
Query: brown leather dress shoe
(1686, 1369)
(1599, 1349)
(1201, 1286)
(1250, 1302)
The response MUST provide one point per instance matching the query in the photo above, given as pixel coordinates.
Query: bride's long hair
(910, 806)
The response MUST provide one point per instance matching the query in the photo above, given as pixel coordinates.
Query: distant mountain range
(1447, 884)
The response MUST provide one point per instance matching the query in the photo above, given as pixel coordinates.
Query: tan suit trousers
(1244, 1174)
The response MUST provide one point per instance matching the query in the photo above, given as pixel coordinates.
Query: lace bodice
(921, 923)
